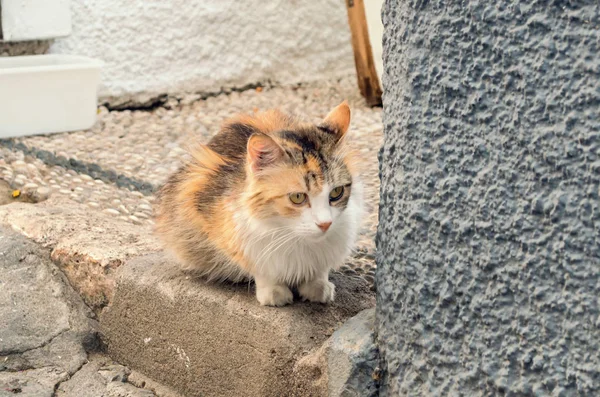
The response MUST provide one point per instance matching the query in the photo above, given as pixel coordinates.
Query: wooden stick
(368, 82)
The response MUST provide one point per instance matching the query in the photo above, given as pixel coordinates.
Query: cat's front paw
(274, 295)
(322, 291)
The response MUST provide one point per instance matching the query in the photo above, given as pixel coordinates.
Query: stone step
(215, 340)
(48, 337)
(87, 245)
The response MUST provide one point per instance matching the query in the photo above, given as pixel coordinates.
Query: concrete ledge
(207, 340)
(45, 327)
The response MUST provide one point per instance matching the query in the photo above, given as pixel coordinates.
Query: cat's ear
(337, 121)
(263, 151)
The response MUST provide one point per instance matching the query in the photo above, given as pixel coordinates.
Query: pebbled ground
(114, 168)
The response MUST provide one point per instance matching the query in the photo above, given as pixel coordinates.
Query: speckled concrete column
(488, 243)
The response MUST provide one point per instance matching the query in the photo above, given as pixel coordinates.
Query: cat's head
(302, 177)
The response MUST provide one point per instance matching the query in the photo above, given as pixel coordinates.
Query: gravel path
(115, 167)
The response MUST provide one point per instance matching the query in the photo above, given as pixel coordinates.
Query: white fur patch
(293, 251)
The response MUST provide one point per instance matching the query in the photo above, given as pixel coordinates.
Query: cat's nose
(324, 226)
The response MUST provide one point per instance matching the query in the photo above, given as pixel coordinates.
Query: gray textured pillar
(489, 237)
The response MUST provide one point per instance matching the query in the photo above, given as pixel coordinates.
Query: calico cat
(268, 198)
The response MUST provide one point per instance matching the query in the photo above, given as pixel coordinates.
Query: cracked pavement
(49, 343)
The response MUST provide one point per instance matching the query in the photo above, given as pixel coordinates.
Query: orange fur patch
(206, 158)
(266, 122)
(339, 119)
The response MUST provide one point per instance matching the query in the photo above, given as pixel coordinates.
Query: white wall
(34, 19)
(153, 47)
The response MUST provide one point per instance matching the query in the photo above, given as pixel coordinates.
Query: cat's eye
(336, 193)
(298, 198)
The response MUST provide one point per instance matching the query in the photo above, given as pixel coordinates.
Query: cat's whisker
(270, 234)
(271, 248)
(273, 242)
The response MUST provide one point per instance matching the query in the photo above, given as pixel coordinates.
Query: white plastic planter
(42, 94)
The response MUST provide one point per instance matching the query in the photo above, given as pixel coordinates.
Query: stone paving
(49, 340)
(115, 167)
(84, 208)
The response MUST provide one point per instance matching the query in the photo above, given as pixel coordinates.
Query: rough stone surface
(212, 340)
(47, 331)
(35, 382)
(352, 359)
(38, 307)
(33, 47)
(101, 377)
(203, 46)
(488, 260)
(348, 362)
(44, 323)
(141, 381)
(87, 246)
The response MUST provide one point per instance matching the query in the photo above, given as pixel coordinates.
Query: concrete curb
(209, 340)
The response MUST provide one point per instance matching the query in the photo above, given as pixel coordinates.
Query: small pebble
(42, 194)
(112, 211)
(144, 207)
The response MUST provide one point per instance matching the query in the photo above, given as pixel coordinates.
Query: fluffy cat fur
(232, 212)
